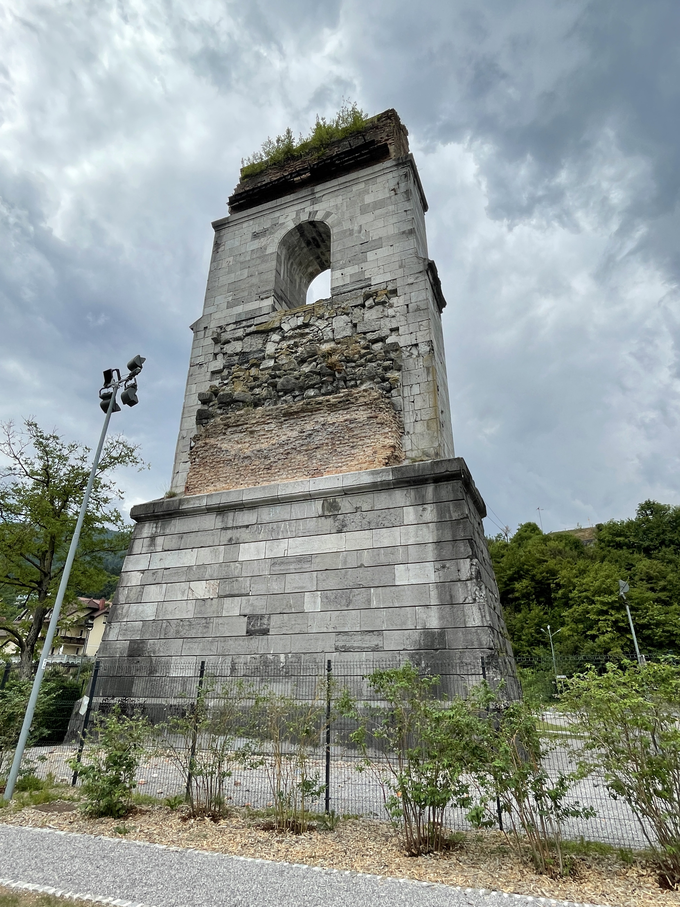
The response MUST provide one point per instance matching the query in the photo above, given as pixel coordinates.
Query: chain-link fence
(277, 726)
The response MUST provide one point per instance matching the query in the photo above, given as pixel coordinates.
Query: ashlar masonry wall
(355, 566)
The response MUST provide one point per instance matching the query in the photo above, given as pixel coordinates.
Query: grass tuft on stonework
(350, 118)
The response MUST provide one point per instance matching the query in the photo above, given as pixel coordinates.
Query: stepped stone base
(358, 567)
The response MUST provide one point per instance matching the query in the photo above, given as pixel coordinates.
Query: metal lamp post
(551, 635)
(107, 401)
(623, 588)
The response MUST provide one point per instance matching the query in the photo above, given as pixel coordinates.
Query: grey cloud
(546, 135)
(534, 86)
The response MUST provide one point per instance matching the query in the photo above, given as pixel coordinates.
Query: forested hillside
(555, 579)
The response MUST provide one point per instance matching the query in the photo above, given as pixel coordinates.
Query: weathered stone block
(359, 641)
(336, 599)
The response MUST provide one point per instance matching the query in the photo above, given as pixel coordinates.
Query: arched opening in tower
(320, 287)
(304, 254)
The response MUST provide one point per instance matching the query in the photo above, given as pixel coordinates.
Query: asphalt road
(147, 875)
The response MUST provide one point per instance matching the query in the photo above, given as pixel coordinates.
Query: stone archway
(303, 253)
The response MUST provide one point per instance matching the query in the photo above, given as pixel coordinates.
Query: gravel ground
(355, 793)
(360, 846)
(156, 876)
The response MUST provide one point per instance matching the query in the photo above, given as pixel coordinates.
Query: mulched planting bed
(484, 860)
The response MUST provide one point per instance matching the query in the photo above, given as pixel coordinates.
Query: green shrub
(629, 718)
(288, 734)
(53, 709)
(422, 742)
(538, 684)
(348, 119)
(13, 701)
(111, 757)
(484, 754)
(58, 694)
(329, 821)
(202, 745)
(507, 756)
(28, 783)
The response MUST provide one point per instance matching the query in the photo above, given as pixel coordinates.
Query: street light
(551, 635)
(108, 403)
(623, 588)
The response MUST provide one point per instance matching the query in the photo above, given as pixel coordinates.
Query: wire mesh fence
(275, 730)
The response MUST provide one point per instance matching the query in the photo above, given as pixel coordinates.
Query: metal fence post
(499, 811)
(86, 721)
(194, 733)
(329, 668)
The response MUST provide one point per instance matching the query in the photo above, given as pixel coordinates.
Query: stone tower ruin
(317, 509)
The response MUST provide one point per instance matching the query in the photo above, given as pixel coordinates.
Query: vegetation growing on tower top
(347, 120)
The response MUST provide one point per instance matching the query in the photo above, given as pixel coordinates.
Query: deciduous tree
(552, 578)
(42, 483)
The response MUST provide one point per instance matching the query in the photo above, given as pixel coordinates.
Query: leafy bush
(629, 718)
(202, 743)
(29, 782)
(53, 709)
(348, 119)
(58, 694)
(288, 732)
(111, 757)
(423, 743)
(484, 754)
(538, 683)
(13, 701)
(507, 755)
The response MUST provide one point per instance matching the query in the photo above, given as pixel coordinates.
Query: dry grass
(11, 898)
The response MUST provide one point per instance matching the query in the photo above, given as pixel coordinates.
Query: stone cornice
(412, 474)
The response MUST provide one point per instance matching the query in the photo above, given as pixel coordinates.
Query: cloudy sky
(547, 135)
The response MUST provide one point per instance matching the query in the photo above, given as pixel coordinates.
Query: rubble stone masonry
(313, 391)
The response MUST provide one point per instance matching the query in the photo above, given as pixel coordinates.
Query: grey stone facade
(352, 567)
(319, 511)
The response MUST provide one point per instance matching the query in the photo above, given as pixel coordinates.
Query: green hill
(570, 581)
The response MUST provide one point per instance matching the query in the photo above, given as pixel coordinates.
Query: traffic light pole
(52, 629)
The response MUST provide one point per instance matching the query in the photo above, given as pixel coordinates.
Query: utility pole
(107, 401)
(540, 519)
